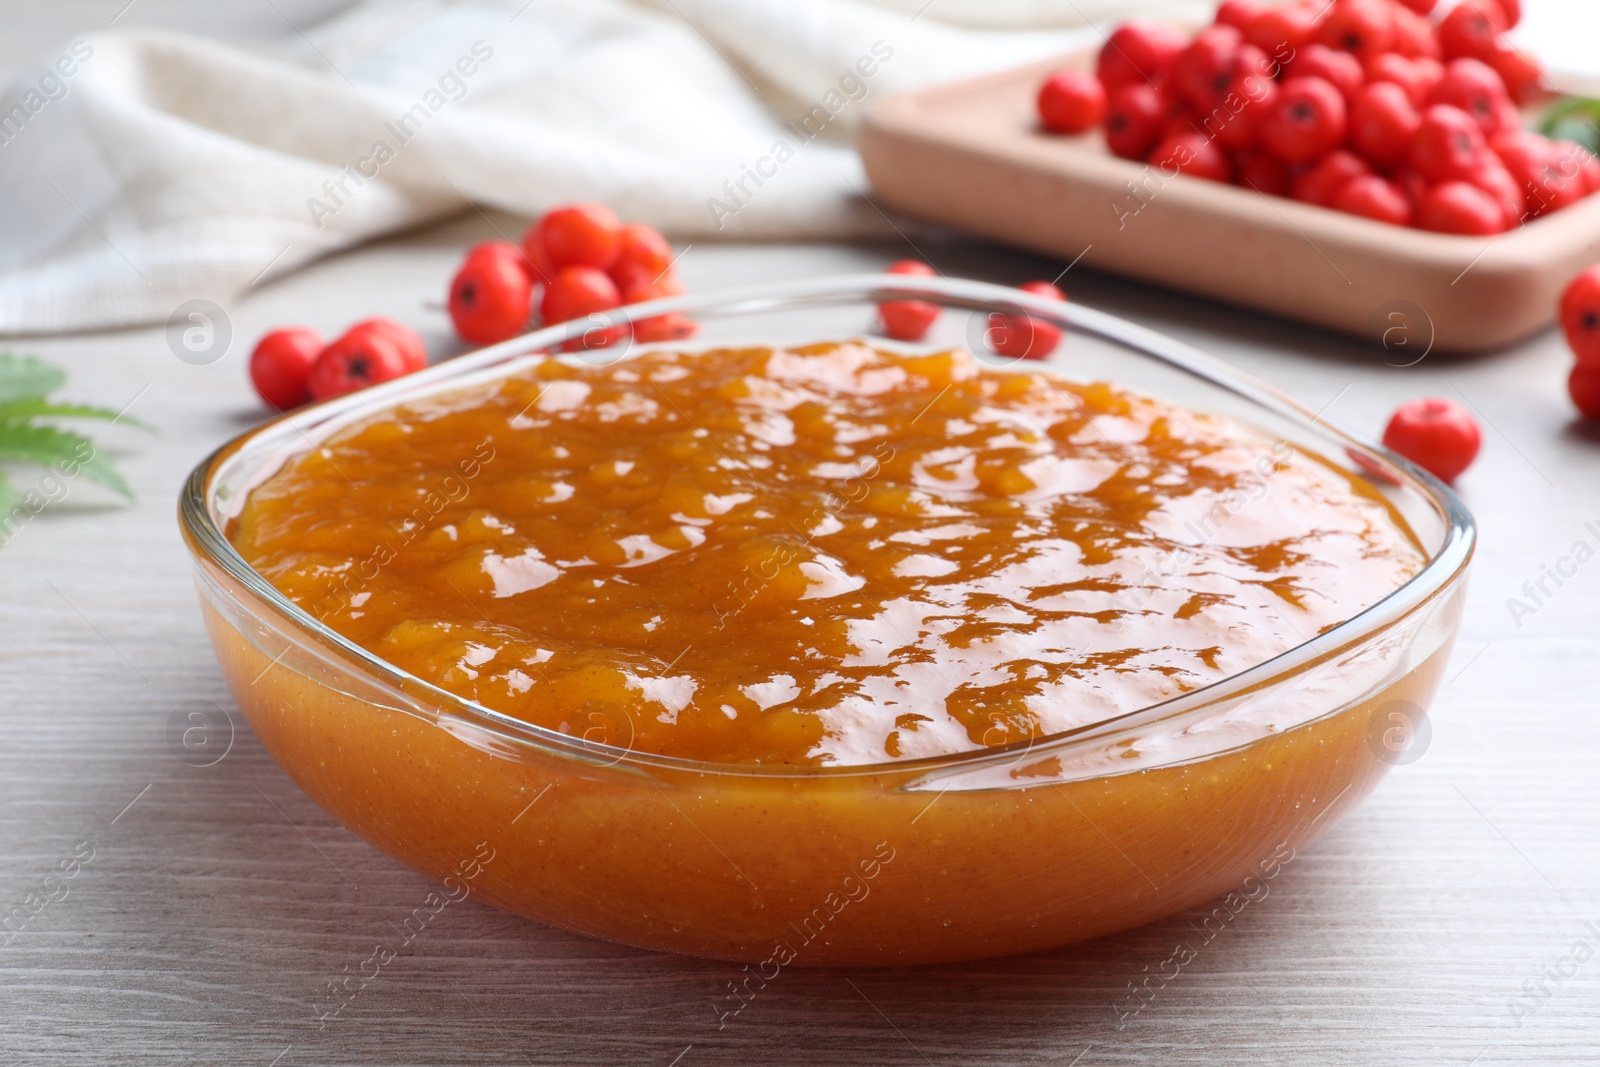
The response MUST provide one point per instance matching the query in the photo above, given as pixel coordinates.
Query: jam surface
(819, 555)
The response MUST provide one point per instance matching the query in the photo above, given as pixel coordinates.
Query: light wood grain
(217, 908)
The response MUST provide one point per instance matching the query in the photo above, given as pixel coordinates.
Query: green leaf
(47, 446)
(1573, 118)
(34, 407)
(25, 385)
(24, 377)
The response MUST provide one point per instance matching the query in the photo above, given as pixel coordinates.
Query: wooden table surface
(219, 902)
(1444, 923)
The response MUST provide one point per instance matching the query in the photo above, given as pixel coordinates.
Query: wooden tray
(970, 155)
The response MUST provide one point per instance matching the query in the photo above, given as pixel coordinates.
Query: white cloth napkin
(140, 170)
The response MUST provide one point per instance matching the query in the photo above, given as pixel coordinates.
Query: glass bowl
(962, 856)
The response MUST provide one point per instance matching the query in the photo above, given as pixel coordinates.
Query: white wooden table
(218, 902)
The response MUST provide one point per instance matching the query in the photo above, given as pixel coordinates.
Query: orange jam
(820, 555)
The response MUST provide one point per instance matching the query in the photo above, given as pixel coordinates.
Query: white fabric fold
(141, 169)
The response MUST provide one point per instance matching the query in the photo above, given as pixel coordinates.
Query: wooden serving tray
(970, 155)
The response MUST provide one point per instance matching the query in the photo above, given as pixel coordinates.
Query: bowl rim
(209, 545)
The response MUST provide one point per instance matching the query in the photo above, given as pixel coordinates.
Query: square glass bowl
(974, 854)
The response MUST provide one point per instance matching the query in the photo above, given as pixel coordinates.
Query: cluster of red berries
(1364, 106)
(1580, 321)
(585, 260)
(292, 365)
(582, 259)
(1016, 336)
